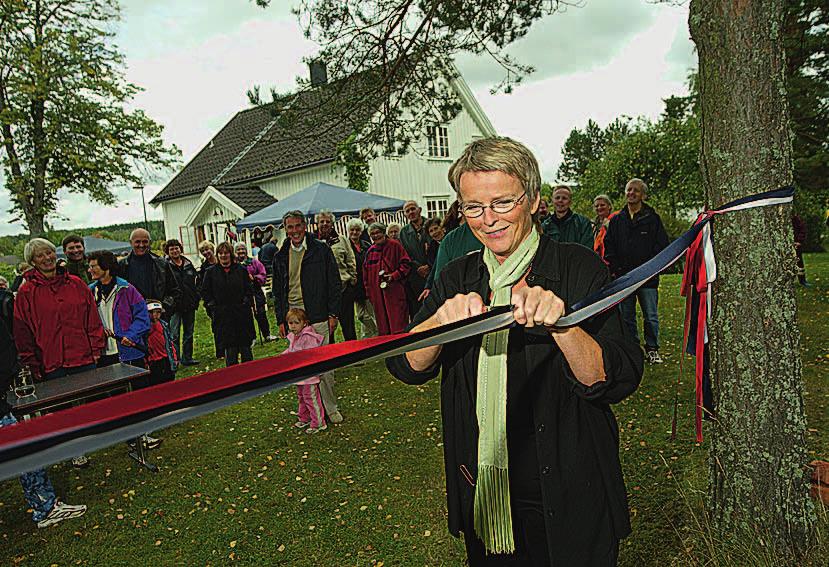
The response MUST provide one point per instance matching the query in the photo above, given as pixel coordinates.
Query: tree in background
(63, 120)
(806, 32)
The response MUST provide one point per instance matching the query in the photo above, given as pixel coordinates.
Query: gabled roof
(250, 198)
(295, 131)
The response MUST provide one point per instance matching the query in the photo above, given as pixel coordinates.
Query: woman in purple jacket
(123, 312)
(258, 275)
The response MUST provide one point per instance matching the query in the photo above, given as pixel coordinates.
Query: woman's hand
(536, 306)
(462, 306)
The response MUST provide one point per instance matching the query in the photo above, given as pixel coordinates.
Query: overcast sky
(197, 58)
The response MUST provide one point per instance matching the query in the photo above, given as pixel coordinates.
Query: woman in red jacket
(56, 324)
(384, 269)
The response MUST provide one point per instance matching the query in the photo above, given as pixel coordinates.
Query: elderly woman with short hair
(530, 442)
(57, 329)
(384, 270)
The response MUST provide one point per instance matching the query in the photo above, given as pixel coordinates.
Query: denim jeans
(188, 321)
(648, 300)
(37, 488)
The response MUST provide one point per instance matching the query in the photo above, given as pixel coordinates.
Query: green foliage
(13, 245)
(357, 170)
(663, 153)
(63, 108)
(806, 33)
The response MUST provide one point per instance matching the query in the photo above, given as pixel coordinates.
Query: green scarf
(493, 517)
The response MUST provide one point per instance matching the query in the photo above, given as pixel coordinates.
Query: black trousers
(260, 312)
(347, 313)
(232, 354)
(530, 544)
(161, 372)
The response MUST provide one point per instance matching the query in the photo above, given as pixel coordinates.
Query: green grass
(242, 484)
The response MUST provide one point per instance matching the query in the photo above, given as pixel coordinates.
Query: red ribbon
(695, 279)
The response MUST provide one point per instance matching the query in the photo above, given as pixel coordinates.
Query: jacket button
(545, 470)
(550, 513)
(541, 428)
(531, 278)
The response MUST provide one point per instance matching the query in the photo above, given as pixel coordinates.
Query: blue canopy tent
(319, 197)
(93, 244)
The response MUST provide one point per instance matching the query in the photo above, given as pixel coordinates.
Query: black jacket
(572, 427)
(228, 297)
(266, 254)
(629, 243)
(187, 279)
(319, 279)
(165, 287)
(9, 367)
(7, 308)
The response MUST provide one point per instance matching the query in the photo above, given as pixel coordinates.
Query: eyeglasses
(501, 206)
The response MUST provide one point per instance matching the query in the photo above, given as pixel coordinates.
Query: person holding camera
(384, 273)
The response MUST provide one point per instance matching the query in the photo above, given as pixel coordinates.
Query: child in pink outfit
(302, 336)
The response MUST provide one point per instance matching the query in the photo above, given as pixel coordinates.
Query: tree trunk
(758, 451)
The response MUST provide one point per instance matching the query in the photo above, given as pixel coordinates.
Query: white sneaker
(313, 430)
(654, 357)
(60, 512)
(150, 442)
(80, 462)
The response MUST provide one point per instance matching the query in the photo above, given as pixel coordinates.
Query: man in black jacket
(152, 276)
(305, 275)
(266, 254)
(634, 236)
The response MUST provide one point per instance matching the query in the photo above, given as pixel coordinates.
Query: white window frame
(437, 205)
(437, 140)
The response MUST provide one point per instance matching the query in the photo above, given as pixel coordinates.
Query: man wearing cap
(305, 275)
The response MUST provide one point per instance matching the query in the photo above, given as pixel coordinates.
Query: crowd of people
(92, 310)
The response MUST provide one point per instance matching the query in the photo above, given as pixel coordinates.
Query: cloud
(632, 83)
(197, 58)
(576, 39)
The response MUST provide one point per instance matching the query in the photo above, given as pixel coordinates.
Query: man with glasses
(414, 239)
(152, 276)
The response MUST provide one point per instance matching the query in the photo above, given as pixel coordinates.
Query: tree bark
(758, 451)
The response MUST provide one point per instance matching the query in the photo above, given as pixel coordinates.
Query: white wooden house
(255, 160)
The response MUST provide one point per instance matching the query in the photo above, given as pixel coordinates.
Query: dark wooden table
(79, 388)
